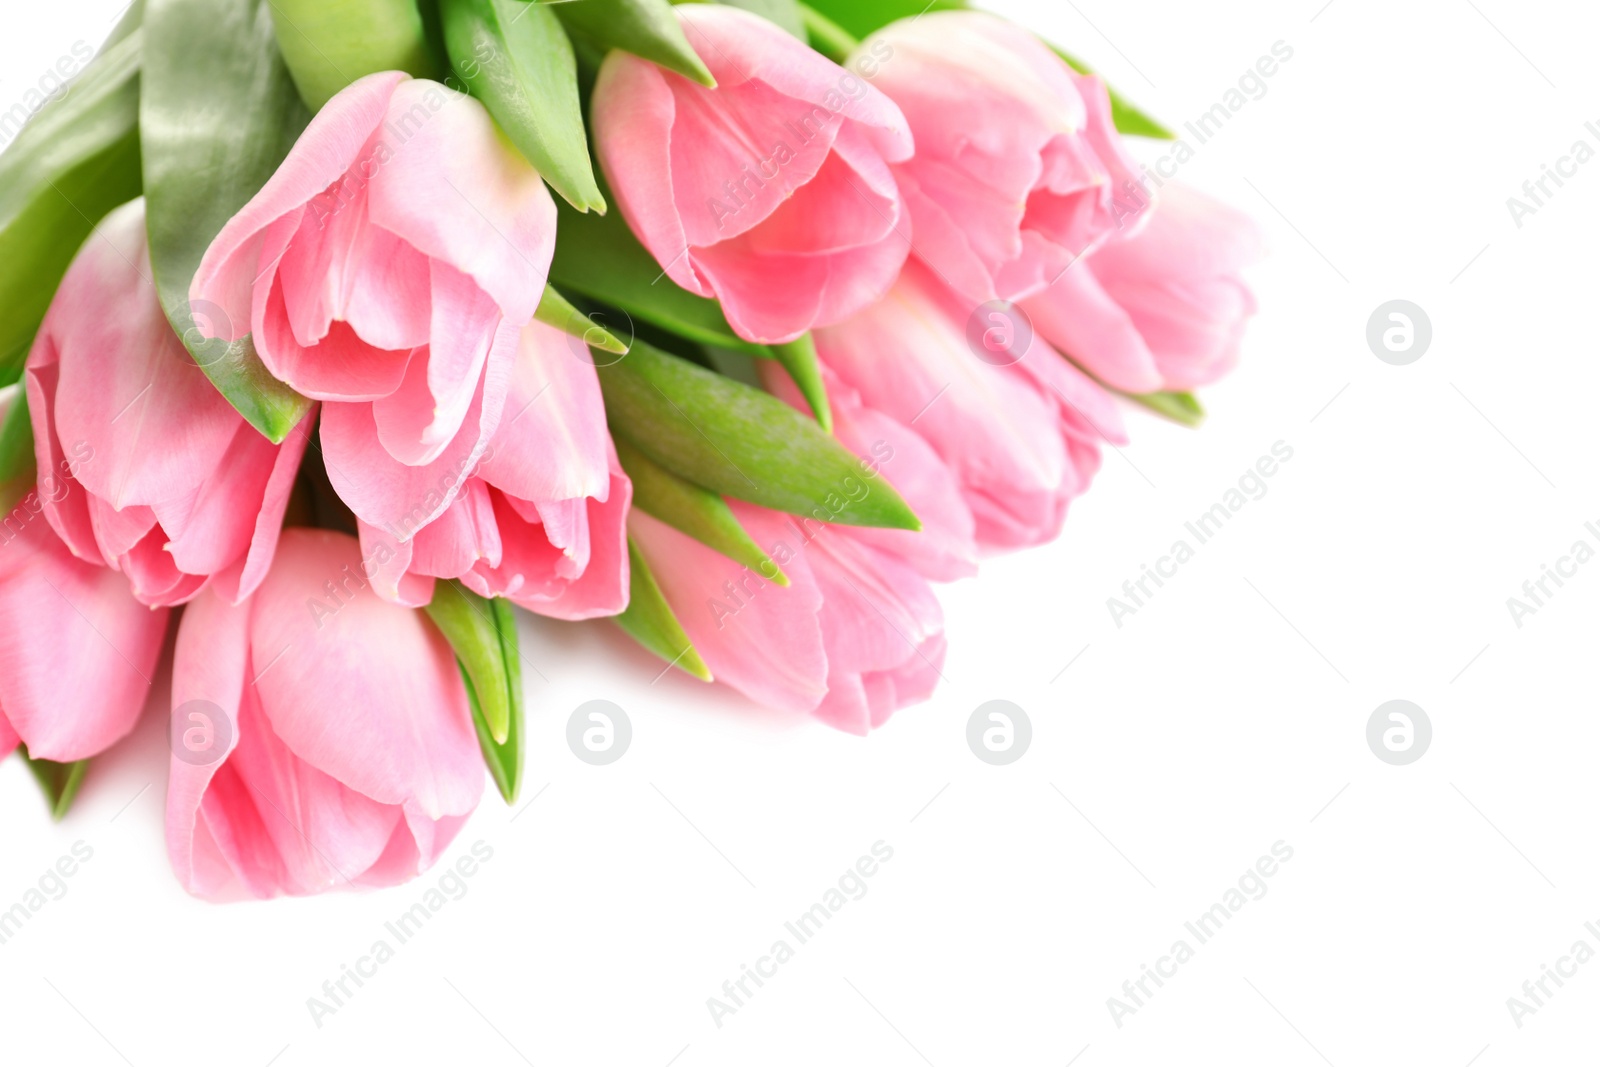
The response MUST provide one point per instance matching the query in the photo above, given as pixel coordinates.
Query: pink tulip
(855, 636)
(386, 269)
(1165, 309)
(160, 477)
(770, 192)
(1019, 432)
(543, 520)
(322, 736)
(80, 651)
(1018, 170)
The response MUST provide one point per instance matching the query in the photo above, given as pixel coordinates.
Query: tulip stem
(826, 35)
(1181, 408)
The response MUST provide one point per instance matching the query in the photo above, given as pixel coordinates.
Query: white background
(1227, 715)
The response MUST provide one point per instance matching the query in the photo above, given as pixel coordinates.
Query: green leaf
(785, 13)
(516, 58)
(686, 507)
(647, 28)
(1182, 408)
(328, 44)
(650, 621)
(555, 310)
(741, 442)
(18, 469)
(598, 257)
(1124, 116)
(483, 634)
(799, 358)
(471, 625)
(863, 17)
(71, 164)
(131, 20)
(219, 113)
(827, 36)
(60, 781)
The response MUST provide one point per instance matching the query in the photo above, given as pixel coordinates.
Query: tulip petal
(389, 494)
(762, 639)
(633, 112)
(389, 562)
(1083, 321)
(225, 512)
(341, 366)
(8, 738)
(393, 723)
(882, 624)
(323, 833)
(211, 663)
(723, 154)
(458, 193)
(131, 394)
(531, 571)
(65, 504)
(75, 670)
(739, 47)
(325, 152)
(457, 540)
(552, 441)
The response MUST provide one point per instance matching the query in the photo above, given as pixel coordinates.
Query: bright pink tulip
(855, 636)
(1018, 170)
(161, 478)
(387, 269)
(1165, 309)
(336, 745)
(543, 521)
(1021, 434)
(79, 652)
(770, 192)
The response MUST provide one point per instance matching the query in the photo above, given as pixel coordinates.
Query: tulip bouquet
(343, 326)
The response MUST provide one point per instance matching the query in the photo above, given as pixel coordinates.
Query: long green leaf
(827, 36)
(741, 442)
(597, 256)
(18, 470)
(516, 58)
(504, 759)
(650, 621)
(59, 781)
(483, 634)
(700, 513)
(219, 113)
(647, 28)
(862, 17)
(76, 160)
(799, 358)
(329, 44)
(556, 310)
(468, 621)
(1182, 408)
